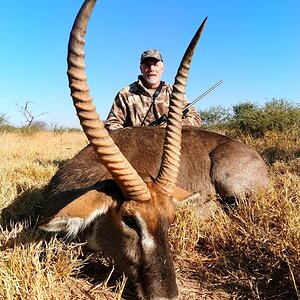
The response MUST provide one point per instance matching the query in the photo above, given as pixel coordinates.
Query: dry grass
(45, 270)
(28, 161)
(29, 268)
(252, 252)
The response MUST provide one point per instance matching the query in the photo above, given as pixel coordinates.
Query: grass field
(252, 252)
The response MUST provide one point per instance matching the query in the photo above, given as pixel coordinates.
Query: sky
(253, 46)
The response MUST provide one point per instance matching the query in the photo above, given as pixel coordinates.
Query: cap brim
(150, 57)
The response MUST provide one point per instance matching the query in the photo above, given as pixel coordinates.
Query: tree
(28, 115)
(215, 116)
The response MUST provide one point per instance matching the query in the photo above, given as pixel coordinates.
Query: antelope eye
(131, 222)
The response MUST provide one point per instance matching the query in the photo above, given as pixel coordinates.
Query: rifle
(161, 120)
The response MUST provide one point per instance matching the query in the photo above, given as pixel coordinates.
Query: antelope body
(119, 193)
(210, 164)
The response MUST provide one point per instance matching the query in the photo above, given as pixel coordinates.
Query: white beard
(151, 80)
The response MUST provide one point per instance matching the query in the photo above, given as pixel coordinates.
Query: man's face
(152, 70)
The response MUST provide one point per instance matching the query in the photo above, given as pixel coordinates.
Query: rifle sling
(154, 96)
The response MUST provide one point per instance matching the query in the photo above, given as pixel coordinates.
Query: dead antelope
(119, 192)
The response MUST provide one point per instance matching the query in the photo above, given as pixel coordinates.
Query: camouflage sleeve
(192, 118)
(117, 115)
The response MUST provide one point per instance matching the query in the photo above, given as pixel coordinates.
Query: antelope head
(129, 214)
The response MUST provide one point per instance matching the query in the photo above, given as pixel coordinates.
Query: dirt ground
(191, 287)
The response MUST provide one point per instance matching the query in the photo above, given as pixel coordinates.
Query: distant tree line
(34, 126)
(277, 115)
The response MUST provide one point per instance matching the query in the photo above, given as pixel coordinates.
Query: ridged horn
(131, 184)
(169, 169)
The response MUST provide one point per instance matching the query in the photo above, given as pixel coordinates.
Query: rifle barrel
(204, 94)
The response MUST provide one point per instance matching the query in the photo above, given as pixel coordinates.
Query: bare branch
(27, 114)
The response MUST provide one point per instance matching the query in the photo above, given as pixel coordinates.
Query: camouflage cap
(151, 53)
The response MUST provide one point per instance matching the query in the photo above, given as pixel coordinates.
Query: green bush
(5, 125)
(215, 116)
(3, 120)
(276, 115)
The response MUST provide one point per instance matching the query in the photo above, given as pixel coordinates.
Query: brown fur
(210, 163)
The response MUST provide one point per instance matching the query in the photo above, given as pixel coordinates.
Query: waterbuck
(119, 193)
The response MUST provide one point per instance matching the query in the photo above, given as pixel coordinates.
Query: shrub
(55, 127)
(3, 120)
(215, 116)
(276, 115)
(34, 127)
(5, 125)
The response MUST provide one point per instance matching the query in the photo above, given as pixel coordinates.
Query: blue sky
(254, 46)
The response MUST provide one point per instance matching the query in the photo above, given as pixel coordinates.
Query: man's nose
(152, 67)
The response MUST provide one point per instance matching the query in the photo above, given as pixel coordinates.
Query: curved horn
(131, 184)
(169, 168)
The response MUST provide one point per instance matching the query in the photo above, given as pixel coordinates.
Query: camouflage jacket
(132, 103)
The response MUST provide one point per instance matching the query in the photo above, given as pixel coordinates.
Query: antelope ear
(205, 208)
(180, 195)
(79, 213)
